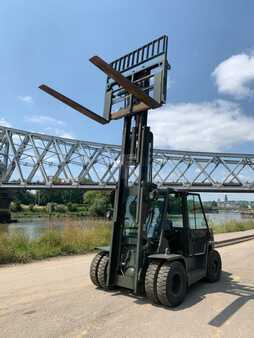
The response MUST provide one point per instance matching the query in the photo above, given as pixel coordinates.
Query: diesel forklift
(161, 242)
(177, 248)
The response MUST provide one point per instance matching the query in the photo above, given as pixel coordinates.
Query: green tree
(24, 197)
(214, 204)
(60, 196)
(97, 203)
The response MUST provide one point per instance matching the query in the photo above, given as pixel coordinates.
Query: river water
(34, 227)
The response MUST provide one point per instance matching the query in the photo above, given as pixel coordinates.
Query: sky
(210, 86)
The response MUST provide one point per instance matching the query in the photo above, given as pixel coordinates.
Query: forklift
(161, 243)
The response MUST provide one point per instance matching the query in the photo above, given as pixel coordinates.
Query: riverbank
(233, 226)
(73, 240)
(18, 248)
(58, 212)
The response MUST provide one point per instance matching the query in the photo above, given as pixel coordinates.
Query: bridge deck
(37, 161)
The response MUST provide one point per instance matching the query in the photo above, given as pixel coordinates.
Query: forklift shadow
(226, 285)
(198, 292)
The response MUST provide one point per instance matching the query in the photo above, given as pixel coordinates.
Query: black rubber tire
(102, 271)
(213, 266)
(151, 281)
(94, 267)
(171, 283)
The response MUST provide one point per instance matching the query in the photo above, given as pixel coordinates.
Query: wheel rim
(176, 284)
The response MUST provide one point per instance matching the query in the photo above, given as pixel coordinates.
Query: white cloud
(205, 126)
(58, 132)
(51, 125)
(234, 75)
(65, 134)
(44, 119)
(4, 122)
(27, 99)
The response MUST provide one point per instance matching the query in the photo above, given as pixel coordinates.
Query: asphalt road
(55, 298)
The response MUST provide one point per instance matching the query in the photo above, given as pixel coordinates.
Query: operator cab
(174, 218)
(175, 223)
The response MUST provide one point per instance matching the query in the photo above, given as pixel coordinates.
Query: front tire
(94, 267)
(171, 283)
(213, 266)
(151, 281)
(102, 271)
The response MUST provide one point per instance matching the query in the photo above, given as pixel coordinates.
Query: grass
(233, 226)
(17, 248)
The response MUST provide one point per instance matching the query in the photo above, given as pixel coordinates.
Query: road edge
(231, 241)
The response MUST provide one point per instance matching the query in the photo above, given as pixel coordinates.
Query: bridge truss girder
(37, 161)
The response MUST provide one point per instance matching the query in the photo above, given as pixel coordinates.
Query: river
(34, 227)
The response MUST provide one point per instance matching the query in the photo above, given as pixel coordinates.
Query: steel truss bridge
(37, 161)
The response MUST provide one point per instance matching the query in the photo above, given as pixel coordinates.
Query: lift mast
(135, 83)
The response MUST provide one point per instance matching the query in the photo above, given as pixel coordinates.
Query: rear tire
(151, 281)
(102, 271)
(213, 266)
(171, 283)
(94, 267)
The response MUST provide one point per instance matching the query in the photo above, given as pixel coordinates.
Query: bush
(40, 209)
(51, 207)
(15, 207)
(15, 248)
(6, 254)
(98, 208)
(31, 207)
(72, 207)
(97, 203)
(60, 208)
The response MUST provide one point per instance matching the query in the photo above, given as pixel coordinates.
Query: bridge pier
(5, 197)
(5, 201)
